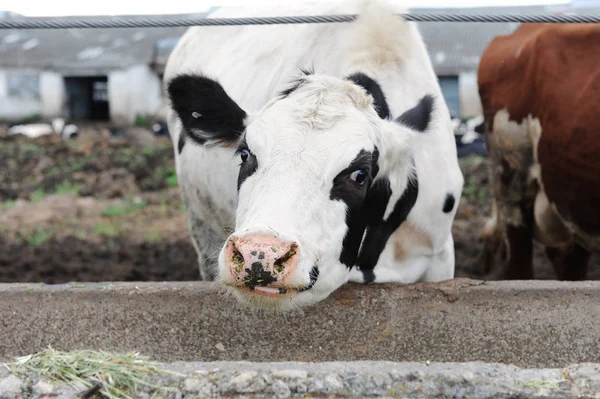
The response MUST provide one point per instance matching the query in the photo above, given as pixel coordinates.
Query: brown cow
(540, 92)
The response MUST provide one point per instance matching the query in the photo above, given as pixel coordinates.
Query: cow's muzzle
(261, 262)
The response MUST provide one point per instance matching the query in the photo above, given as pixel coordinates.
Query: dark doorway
(87, 98)
(450, 91)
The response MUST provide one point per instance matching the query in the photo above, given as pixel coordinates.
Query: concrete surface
(356, 379)
(528, 324)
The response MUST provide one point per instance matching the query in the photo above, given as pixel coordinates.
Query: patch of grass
(72, 221)
(67, 187)
(148, 150)
(78, 164)
(30, 147)
(38, 195)
(152, 236)
(539, 384)
(474, 193)
(81, 235)
(105, 229)
(7, 204)
(63, 188)
(125, 155)
(172, 180)
(39, 237)
(124, 208)
(77, 286)
(167, 174)
(116, 375)
(142, 120)
(111, 245)
(54, 171)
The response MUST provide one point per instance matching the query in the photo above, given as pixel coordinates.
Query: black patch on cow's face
(296, 84)
(373, 88)
(356, 197)
(369, 218)
(448, 203)
(248, 164)
(206, 111)
(418, 117)
(181, 142)
(379, 231)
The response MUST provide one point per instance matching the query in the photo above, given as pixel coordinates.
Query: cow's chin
(291, 300)
(279, 301)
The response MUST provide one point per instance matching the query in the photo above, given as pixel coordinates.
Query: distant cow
(293, 188)
(469, 136)
(540, 91)
(57, 126)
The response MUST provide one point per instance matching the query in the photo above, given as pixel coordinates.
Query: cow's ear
(418, 117)
(206, 111)
(399, 143)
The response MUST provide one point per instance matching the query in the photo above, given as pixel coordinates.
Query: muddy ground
(103, 208)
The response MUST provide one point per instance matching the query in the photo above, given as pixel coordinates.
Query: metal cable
(195, 20)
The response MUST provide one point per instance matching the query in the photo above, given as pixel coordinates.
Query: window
(100, 91)
(25, 85)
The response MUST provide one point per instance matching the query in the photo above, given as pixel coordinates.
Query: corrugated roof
(453, 46)
(457, 46)
(80, 51)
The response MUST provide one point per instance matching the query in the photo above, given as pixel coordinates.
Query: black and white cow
(469, 137)
(295, 187)
(57, 126)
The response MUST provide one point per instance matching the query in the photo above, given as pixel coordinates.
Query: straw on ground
(116, 375)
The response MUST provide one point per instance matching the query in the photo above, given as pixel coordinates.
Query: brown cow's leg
(494, 249)
(513, 190)
(557, 258)
(519, 238)
(570, 263)
(519, 265)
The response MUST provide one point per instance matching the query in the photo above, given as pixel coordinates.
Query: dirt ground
(102, 208)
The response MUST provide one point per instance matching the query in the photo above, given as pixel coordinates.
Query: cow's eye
(359, 176)
(244, 154)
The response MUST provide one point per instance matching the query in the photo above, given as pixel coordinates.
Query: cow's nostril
(237, 259)
(279, 265)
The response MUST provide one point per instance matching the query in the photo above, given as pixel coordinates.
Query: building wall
(16, 104)
(470, 103)
(133, 92)
(27, 93)
(52, 95)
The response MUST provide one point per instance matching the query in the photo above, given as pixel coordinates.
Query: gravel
(347, 379)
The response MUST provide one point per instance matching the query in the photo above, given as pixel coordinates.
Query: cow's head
(313, 161)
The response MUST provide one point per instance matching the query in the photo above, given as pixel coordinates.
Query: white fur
(289, 193)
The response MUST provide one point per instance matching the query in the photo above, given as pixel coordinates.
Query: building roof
(80, 51)
(453, 46)
(457, 46)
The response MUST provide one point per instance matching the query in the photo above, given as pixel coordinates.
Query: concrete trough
(541, 324)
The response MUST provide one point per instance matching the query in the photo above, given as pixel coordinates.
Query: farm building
(80, 74)
(114, 75)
